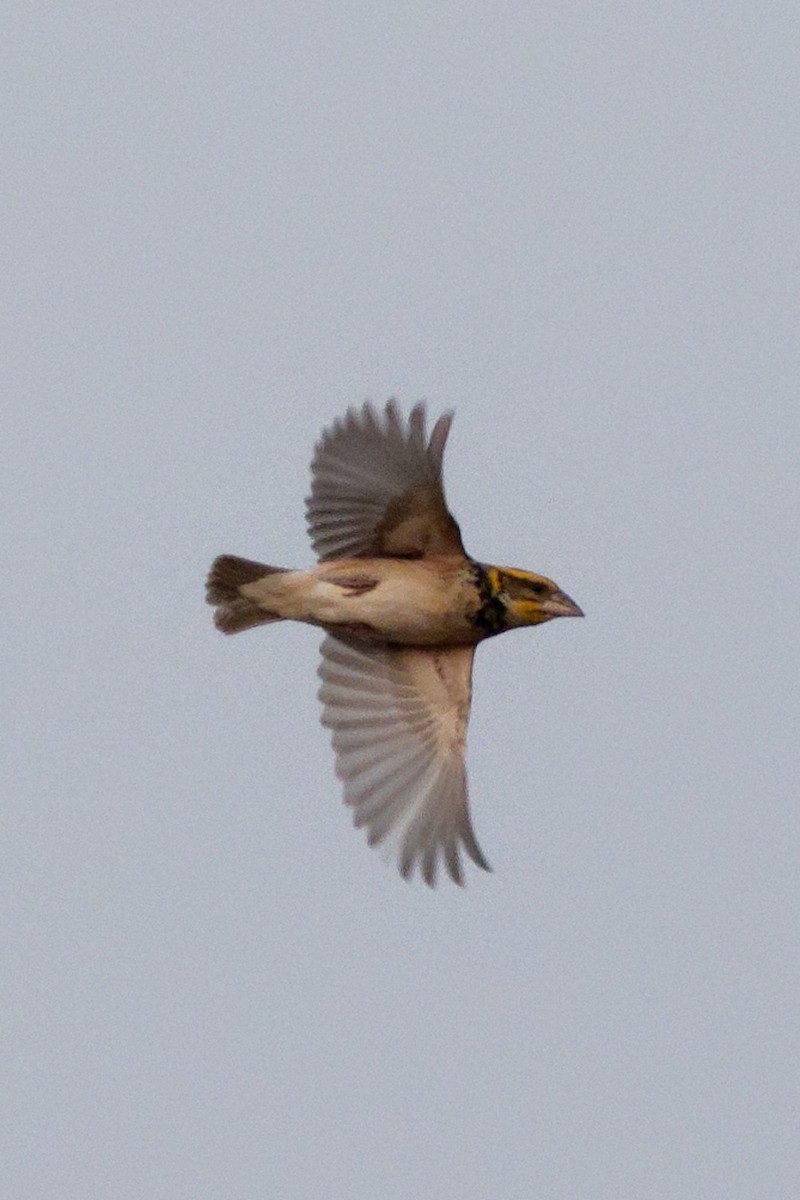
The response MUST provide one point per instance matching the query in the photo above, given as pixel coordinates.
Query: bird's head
(530, 599)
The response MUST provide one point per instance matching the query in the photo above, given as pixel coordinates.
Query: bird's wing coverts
(398, 717)
(377, 487)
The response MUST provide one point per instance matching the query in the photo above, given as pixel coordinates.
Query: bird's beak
(560, 605)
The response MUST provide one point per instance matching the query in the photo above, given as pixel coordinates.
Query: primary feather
(377, 488)
(398, 718)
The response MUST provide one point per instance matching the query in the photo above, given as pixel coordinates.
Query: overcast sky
(577, 225)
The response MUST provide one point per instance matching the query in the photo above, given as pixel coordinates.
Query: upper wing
(399, 721)
(377, 487)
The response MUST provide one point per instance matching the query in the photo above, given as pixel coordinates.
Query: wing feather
(398, 718)
(377, 487)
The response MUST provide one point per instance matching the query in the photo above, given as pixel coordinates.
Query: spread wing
(377, 487)
(399, 722)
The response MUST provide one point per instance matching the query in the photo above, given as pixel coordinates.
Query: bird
(403, 607)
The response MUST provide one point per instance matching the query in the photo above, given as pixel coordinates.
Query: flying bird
(404, 607)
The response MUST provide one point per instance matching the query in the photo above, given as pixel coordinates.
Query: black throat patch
(491, 614)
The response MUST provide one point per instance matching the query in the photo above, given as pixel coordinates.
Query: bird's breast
(410, 602)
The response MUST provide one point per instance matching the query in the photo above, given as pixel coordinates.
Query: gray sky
(578, 226)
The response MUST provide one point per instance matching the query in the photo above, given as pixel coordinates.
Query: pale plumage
(398, 718)
(404, 607)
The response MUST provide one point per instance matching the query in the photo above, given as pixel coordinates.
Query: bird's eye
(539, 589)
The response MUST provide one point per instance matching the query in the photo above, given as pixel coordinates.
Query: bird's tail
(236, 612)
